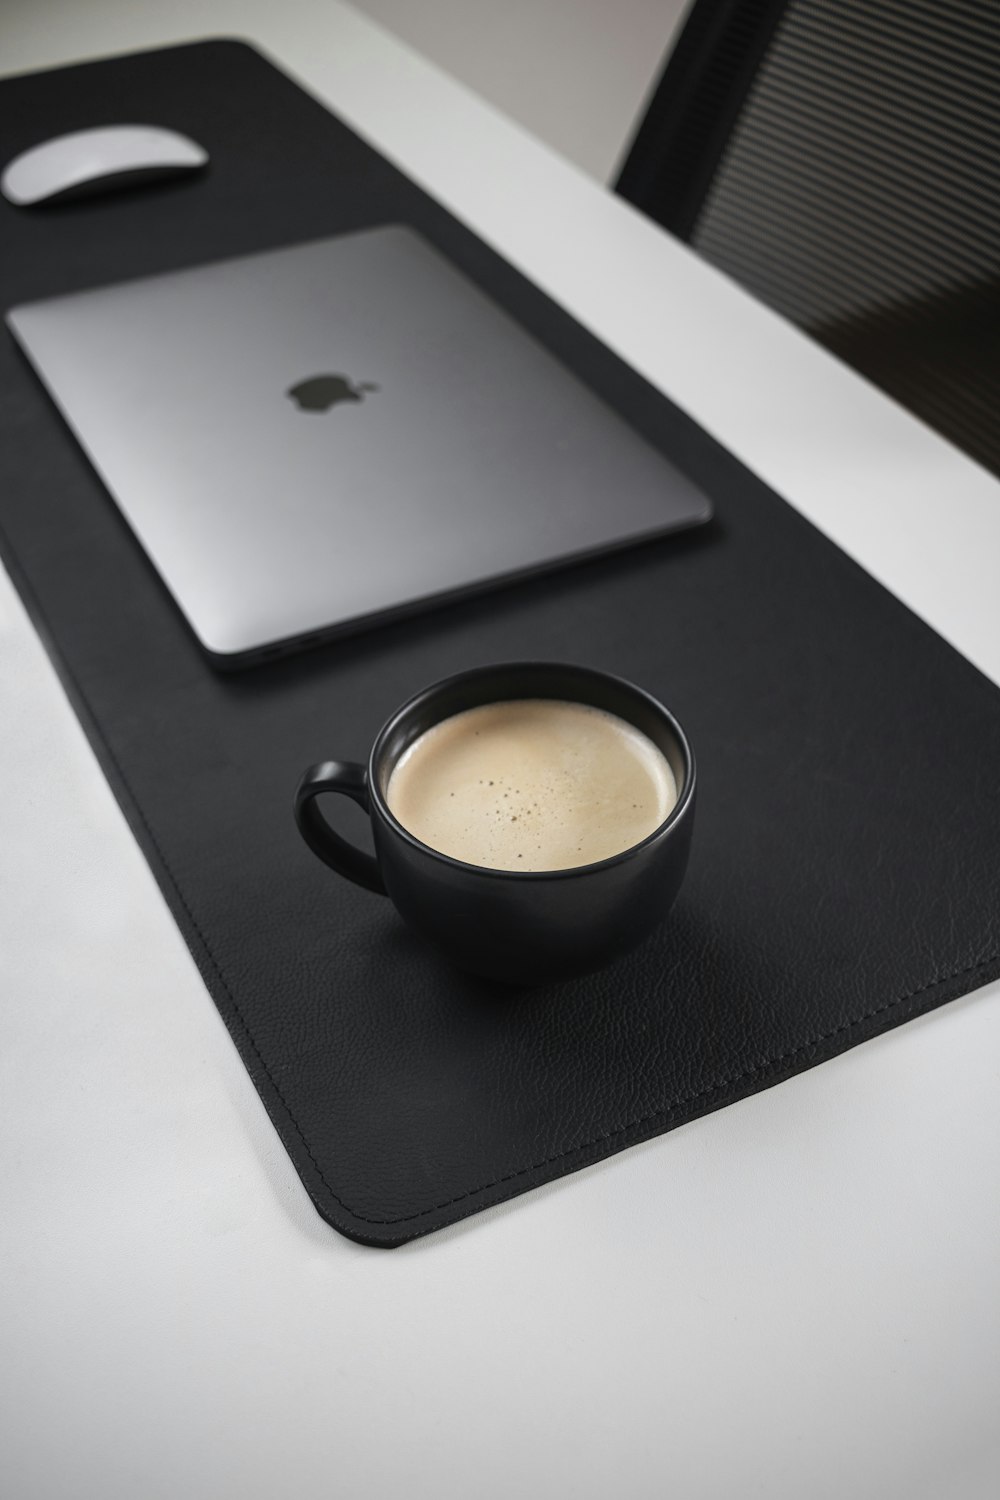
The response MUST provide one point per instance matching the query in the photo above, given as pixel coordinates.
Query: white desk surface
(798, 1296)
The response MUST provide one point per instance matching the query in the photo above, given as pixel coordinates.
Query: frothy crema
(532, 784)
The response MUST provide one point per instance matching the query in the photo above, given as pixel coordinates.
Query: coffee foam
(532, 784)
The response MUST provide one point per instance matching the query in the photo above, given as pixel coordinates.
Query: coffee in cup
(531, 820)
(532, 784)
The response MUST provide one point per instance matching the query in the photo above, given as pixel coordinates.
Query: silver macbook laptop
(312, 439)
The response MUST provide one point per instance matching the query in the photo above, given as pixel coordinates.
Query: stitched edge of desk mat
(600, 594)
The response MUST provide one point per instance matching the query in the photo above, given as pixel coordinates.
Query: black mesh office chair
(841, 159)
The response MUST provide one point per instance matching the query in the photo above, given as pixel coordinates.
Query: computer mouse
(103, 160)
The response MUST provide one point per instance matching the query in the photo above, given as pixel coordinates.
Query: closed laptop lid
(315, 437)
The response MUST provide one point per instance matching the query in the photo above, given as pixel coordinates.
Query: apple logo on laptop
(320, 392)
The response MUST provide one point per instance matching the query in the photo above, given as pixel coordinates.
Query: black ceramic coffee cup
(519, 927)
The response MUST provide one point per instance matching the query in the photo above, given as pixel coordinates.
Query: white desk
(794, 1297)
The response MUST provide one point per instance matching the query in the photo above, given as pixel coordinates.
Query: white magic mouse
(98, 161)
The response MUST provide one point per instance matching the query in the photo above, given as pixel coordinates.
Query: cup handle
(352, 780)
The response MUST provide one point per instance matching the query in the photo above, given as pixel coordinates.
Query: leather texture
(845, 873)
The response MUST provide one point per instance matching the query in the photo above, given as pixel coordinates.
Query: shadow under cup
(518, 927)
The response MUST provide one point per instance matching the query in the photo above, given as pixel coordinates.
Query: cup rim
(570, 872)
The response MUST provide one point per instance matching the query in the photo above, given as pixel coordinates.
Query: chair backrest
(841, 159)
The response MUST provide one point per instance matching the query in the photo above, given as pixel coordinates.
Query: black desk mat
(846, 864)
